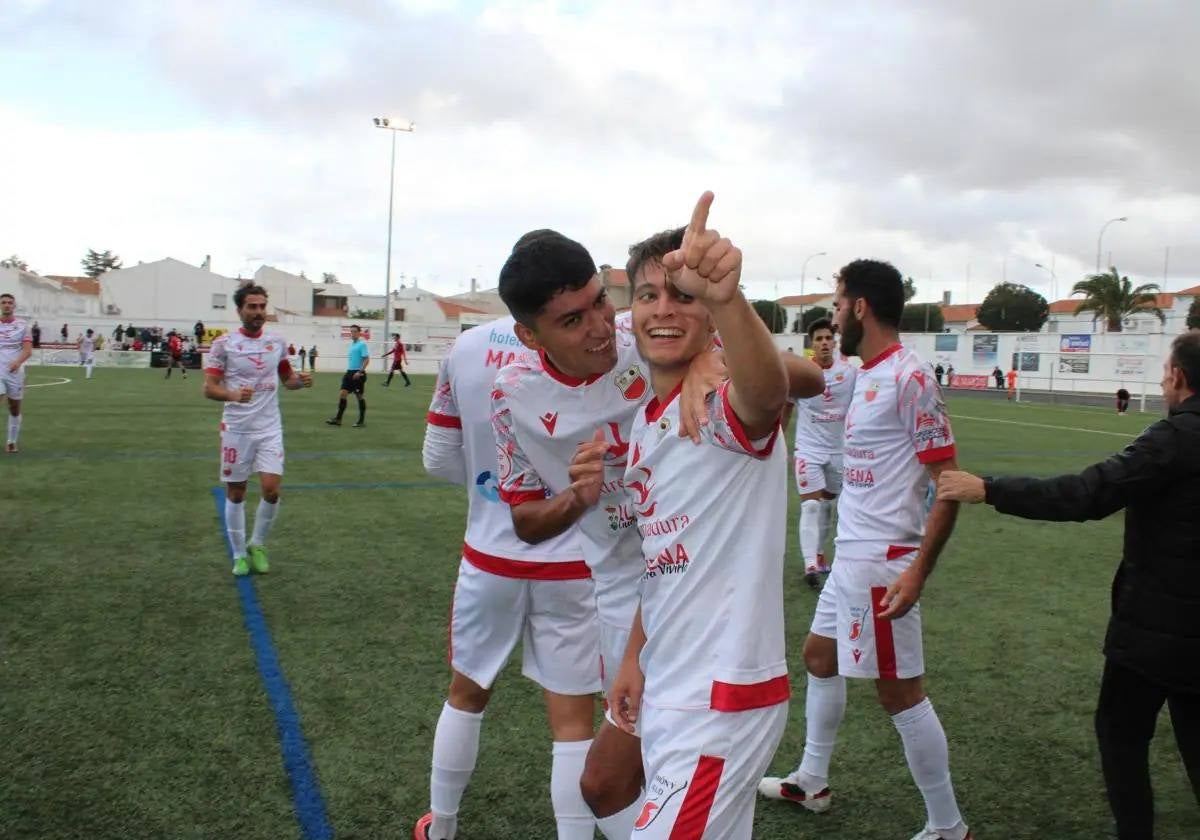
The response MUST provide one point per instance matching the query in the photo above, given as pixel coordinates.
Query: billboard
(1075, 344)
(974, 381)
(944, 343)
(1074, 364)
(1026, 362)
(985, 350)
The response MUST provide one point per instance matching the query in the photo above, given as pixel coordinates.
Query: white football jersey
(87, 346)
(539, 417)
(257, 362)
(896, 424)
(821, 420)
(712, 520)
(463, 400)
(14, 334)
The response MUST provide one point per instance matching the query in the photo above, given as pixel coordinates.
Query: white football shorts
(848, 610)
(816, 471)
(12, 385)
(555, 621)
(703, 768)
(243, 453)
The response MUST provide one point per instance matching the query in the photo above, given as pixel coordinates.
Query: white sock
(263, 519)
(824, 707)
(826, 522)
(929, 763)
(14, 428)
(810, 531)
(88, 368)
(619, 826)
(455, 748)
(571, 813)
(235, 526)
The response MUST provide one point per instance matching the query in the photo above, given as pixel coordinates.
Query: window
(219, 301)
(397, 314)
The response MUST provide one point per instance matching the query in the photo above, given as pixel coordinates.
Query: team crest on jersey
(841, 377)
(858, 617)
(270, 346)
(872, 392)
(632, 383)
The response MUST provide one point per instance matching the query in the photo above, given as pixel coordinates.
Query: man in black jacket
(1152, 649)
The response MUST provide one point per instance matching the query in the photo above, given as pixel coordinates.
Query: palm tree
(1113, 298)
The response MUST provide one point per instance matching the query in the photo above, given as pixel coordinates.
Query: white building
(51, 298)
(793, 305)
(167, 292)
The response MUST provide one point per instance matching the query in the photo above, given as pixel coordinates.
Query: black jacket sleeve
(1100, 490)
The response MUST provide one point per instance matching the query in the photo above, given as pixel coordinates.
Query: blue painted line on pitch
(306, 790)
(372, 485)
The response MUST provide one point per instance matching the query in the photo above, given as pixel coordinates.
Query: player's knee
(466, 695)
(270, 495)
(820, 656)
(898, 696)
(606, 790)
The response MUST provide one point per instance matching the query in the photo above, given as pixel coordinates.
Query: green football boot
(240, 568)
(258, 559)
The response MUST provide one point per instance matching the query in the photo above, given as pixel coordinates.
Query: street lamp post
(1100, 238)
(1053, 277)
(803, 271)
(393, 126)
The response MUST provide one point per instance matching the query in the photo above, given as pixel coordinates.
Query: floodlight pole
(1100, 238)
(386, 123)
(803, 271)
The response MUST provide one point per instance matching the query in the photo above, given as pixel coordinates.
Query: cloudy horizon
(963, 141)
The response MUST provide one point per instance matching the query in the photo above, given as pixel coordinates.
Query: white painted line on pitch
(62, 381)
(1043, 426)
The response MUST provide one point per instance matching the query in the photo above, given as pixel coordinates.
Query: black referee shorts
(353, 384)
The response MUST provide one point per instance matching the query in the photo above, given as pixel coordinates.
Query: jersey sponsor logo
(858, 476)
(549, 420)
(929, 428)
(499, 359)
(659, 792)
(632, 383)
(672, 560)
(620, 516)
(861, 453)
(662, 527)
(486, 484)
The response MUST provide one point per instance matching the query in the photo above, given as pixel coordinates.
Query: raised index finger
(700, 213)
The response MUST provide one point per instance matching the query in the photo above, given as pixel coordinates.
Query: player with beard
(868, 623)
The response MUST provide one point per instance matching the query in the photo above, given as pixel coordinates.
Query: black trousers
(1125, 721)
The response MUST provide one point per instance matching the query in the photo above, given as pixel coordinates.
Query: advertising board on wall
(985, 350)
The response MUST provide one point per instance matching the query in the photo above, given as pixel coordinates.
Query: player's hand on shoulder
(586, 469)
(707, 266)
(705, 375)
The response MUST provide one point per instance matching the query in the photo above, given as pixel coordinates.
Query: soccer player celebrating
(16, 346)
(241, 372)
(867, 624)
(705, 674)
(354, 380)
(87, 352)
(507, 591)
(820, 426)
(399, 357)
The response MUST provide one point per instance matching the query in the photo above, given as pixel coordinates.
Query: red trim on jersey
(895, 552)
(513, 498)
(741, 697)
(936, 456)
(558, 376)
(656, 407)
(27, 340)
(739, 431)
(698, 801)
(212, 371)
(8, 320)
(825, 367)
(446, 421)
(891, 351)
(526, 569)
(248, 334)
(285, 369)
(885, 644)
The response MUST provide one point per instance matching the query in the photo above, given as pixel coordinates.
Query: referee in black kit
(1152, 649)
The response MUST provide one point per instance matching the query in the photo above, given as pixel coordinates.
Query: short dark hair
(533, 236)
(243, 292)
(819, 324)
(8, 295)
(652, 250)
(356, 327)
(545, 266)
(880, 284)
(1185, 355)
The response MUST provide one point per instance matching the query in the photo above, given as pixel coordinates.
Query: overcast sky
(948, 136)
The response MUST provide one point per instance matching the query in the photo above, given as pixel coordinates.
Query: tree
(368, 314)
(1011, 307)
(1193, 318)
(772, 314)
(14, 262)
(910, 289)
(98, 262)
(328, 277)
(922, 317)
(1113, 298)
(816, 313)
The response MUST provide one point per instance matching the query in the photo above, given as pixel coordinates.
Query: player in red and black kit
(175, 355)
(399, 357)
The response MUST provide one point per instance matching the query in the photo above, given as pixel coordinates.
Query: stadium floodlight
(803, 269)
(393, 125)
(1100, 238)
